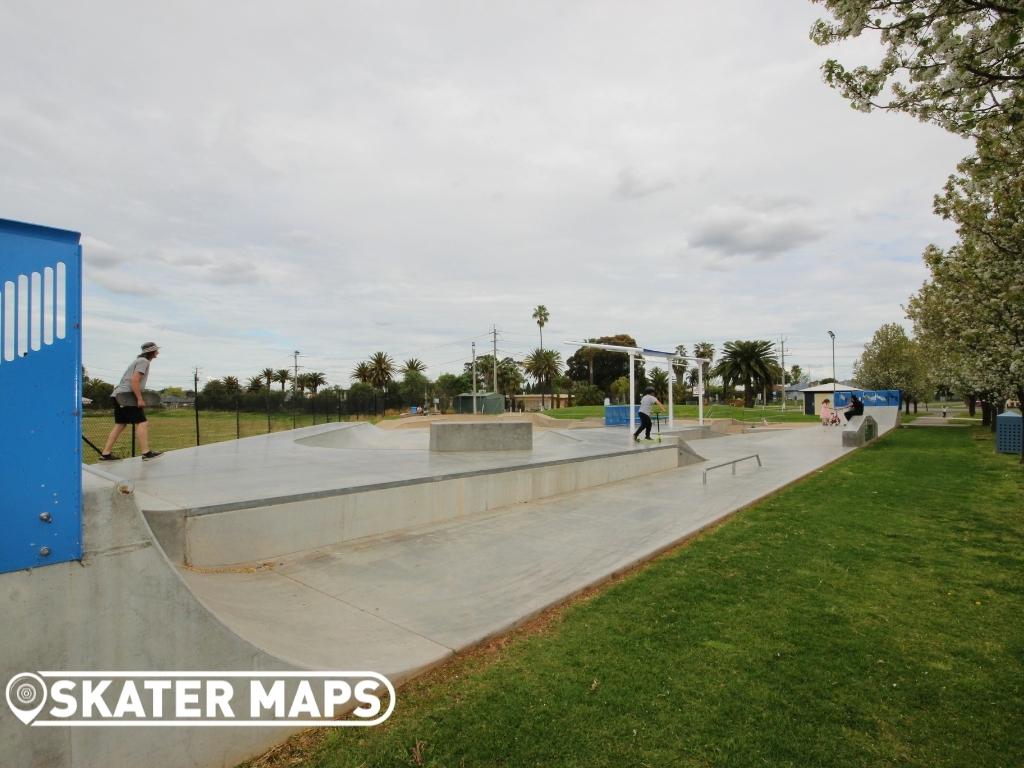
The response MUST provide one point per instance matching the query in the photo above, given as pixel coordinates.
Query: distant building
(174, 401)
(532, 402)
(813, 396)
(486, 402)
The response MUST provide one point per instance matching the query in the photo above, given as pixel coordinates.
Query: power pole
(495, 332)
(295, 378)
(474, 378)
(782, 352)
(195, 401)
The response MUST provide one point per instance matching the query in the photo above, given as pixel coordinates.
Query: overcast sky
(253, 178)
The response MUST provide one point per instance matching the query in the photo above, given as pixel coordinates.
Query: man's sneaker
(151, 455)
(109, 457)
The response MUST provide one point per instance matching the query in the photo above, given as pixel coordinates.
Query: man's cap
(149, 346)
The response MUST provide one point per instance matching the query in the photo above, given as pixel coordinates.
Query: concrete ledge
(859, 431)
(481, 436)
(266, 531)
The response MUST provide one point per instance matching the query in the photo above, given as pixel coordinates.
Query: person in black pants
(856, 407)
(647, 403)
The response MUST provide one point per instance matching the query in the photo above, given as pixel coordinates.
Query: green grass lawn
(870, 615)
(714, 411)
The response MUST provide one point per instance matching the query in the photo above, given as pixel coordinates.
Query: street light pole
(474, 378)
(833, 368)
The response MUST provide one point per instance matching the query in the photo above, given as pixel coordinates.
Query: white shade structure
(654, 355)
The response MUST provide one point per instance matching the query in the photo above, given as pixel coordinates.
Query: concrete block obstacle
(875, 422)
(480, 436)
(859, 431)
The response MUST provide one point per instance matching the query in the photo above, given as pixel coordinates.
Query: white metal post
(700, 398)
(632, 395)
(671, 375)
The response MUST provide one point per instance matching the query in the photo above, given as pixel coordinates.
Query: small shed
(486, 402)
(814, 396)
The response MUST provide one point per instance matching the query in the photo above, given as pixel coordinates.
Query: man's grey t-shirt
(647, 403)
(140, 365)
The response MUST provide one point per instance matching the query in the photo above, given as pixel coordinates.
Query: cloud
(354, 179)
(102, 254)
(631, 185)
(762, 235)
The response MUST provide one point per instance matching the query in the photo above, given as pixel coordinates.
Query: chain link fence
(229, 418)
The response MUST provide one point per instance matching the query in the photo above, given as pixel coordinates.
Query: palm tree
(382, 369)
(693, 377)
(543, 366)
(752, 362)
(255, 383)
(706, 350)
(413, 365)
(301, 382)
(361, 373)
(230, 383)
(282, 376)
(540, 314)
(315, 380)
(268, 374)
(679, 368)
(659, 380)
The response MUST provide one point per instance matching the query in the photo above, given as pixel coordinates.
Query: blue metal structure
(871, 398)
(618, 415)
(1009, 428)
(41, 387)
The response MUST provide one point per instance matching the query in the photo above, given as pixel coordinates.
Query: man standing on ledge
(129, 406)
(647, 403)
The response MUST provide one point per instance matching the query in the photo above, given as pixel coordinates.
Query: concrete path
(400, 604)
(933, 421)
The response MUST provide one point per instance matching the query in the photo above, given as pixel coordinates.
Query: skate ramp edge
(687, 455)
(271, 528)
(124, 606)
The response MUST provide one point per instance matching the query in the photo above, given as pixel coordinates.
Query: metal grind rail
(733, 464)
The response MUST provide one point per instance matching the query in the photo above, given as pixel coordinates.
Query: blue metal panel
(41, 386)
(871, 398)
(618, 415)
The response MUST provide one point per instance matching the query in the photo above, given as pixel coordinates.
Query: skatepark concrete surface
(396, 603)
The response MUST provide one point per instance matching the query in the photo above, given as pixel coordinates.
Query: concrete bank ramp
(123, 607)
(367, 437)
(886, 417)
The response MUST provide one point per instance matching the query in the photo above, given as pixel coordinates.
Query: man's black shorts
(128, 414)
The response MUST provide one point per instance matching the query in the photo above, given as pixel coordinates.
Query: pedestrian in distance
(647, 404)
(129, 405)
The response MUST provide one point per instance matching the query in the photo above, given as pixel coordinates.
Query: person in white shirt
(647, 403)
(129, 405)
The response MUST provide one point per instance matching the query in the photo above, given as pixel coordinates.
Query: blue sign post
(40, 396)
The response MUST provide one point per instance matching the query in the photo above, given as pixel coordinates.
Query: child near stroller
(829, 415)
